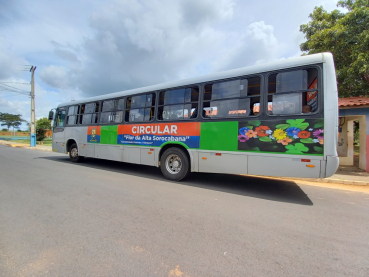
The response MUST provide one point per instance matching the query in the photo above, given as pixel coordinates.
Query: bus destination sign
(158, 134)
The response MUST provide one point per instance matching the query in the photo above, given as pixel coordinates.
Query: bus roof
(254, 69)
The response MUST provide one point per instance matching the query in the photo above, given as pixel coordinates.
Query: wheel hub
(74, 152)
(173, 164)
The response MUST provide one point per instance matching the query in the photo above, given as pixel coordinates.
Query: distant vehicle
(277, 119)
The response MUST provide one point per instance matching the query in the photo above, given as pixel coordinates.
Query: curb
(343, 181)
(319, 180)
(329, 180)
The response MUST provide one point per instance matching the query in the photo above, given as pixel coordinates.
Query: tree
(11, 120)
(346, 35)
(42, 125)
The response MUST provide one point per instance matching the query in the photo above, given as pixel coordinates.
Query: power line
(3, 88)
(22, 93)
(15, 83)
(11, 90)
(11, 95)
(22, 65)
(10, 87)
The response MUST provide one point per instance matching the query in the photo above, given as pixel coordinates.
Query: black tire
(73, 154)
(174, 164)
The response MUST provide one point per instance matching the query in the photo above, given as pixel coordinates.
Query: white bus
(276, 119)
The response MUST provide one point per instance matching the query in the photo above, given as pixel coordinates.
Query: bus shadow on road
(257, 187)
(251, 186)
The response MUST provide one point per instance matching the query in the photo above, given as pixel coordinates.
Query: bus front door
(58, 132)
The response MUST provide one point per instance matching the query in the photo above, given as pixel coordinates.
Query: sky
(86, 48)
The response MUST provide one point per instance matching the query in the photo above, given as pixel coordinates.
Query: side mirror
(51, 115)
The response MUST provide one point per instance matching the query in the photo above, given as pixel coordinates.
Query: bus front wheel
(174, 164)
(73, 154)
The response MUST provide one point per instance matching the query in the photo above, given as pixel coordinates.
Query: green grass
(3, 136)
(47, 142)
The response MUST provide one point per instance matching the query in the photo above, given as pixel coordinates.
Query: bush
(42, 125)
(4, 130)
(40, 134)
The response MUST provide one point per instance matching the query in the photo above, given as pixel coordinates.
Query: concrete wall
(345, 146)
(8, 133)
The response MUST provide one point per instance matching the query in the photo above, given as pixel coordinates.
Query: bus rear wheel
(73, 154)
(174, 164)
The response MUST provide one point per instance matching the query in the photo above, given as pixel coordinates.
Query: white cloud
(83, 50)
(256, 45)
(66, 55)
(136, 45)
(45, 100)
(11, 65)
(14, 107)
(196, 13)
(55, 76)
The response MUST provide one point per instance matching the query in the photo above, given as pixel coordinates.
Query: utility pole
(33, 115)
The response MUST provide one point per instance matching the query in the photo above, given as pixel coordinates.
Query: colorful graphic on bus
(93, 134)
(158, 134)
(291, 136)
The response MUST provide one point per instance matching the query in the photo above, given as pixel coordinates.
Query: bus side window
(293, 92)
(60, 118)
(140, 108)
(72, 115)
(112, 111)
(232, 98)
(89, 113)
(178, 104)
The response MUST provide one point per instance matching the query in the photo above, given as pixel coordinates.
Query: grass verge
(46, 142)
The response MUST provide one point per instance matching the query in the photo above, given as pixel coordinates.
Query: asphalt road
(104, 218)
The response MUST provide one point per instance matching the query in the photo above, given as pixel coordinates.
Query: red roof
(353, 101)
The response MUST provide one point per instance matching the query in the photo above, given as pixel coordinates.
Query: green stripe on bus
(109, 134)
(280, 153)
(219, 136)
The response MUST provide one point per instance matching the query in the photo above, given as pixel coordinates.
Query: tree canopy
(346, 35)
(11, 120)
(42, 125)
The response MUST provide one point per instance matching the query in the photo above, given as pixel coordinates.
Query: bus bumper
(331, 165)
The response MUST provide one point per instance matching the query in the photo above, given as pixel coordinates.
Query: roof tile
(353, 101)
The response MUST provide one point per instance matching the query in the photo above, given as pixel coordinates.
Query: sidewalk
(26, 146)
(356, 175)
(346, 175)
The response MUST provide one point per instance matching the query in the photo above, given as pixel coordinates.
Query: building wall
(8, 133)
(49, 133)
(361, 114)
(345, 146)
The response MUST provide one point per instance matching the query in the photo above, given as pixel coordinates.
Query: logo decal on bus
(157, 134)
(93, 134)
